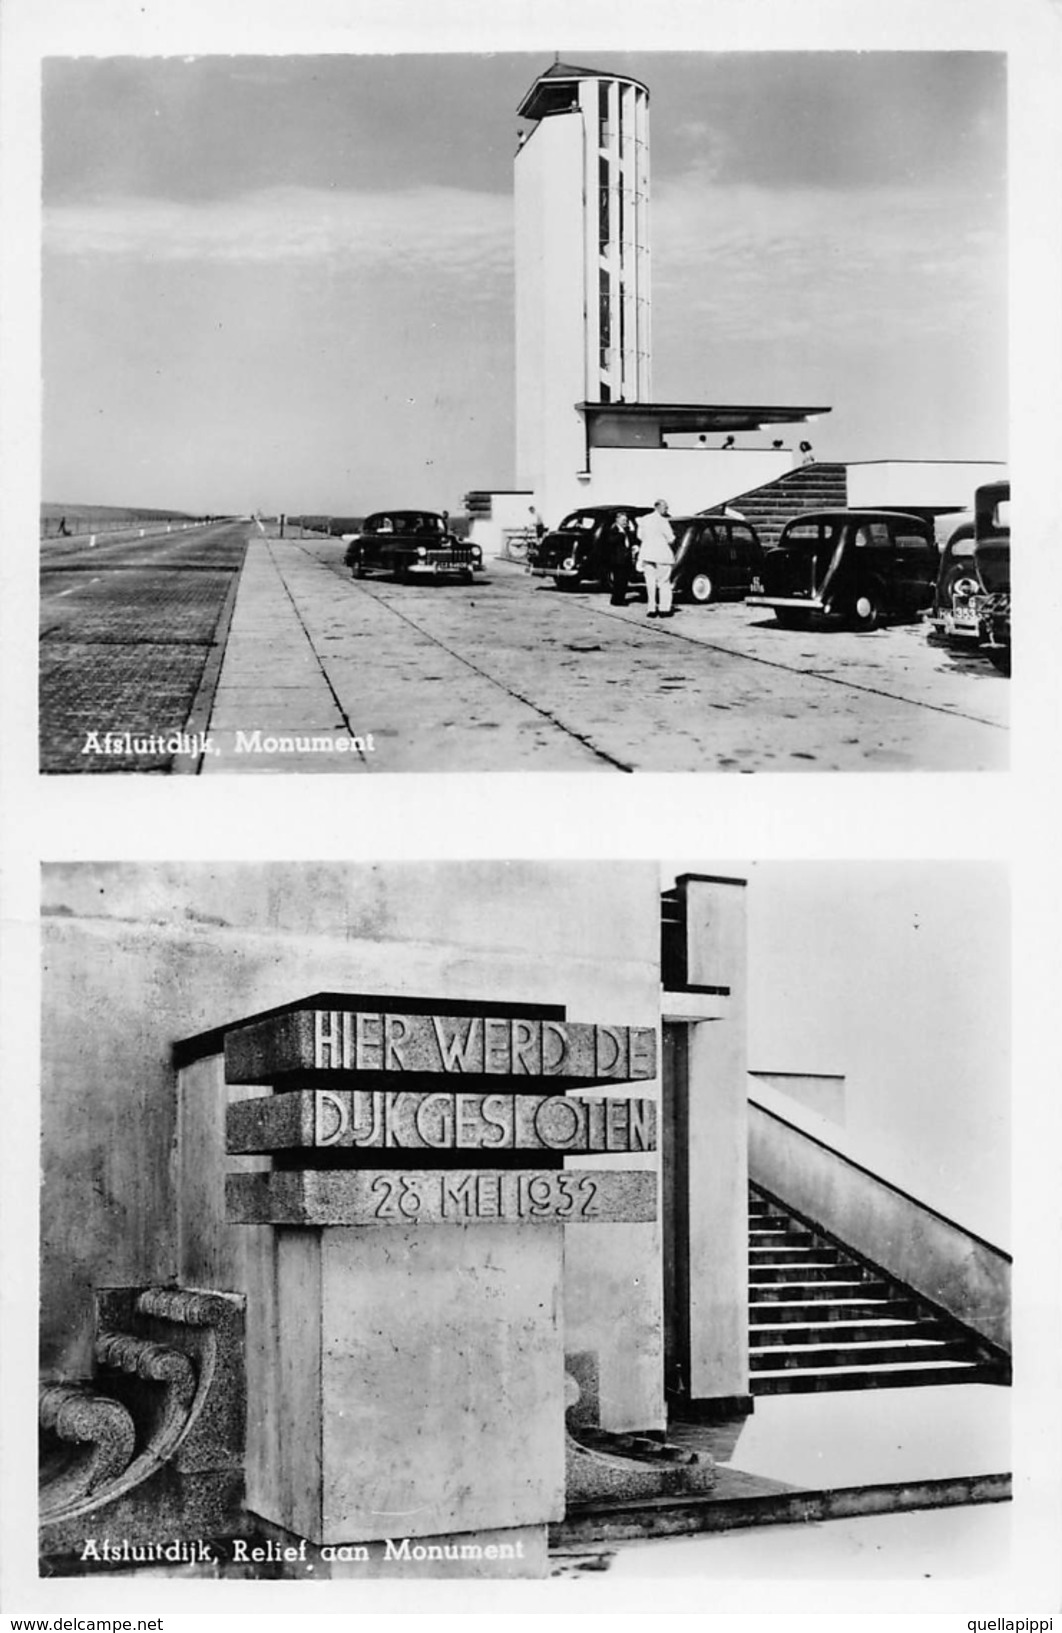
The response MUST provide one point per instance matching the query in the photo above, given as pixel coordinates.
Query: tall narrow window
(604, 318)
(602, 203)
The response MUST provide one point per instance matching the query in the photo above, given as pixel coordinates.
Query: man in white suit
(656, 557)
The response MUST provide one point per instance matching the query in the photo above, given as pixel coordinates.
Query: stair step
(783, 1333)
(782, 1253)
(807, 1270)
(815, 1289)
(812, 1357)
(870, 1377)
(770, 1311)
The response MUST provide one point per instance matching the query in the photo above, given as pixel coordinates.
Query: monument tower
(588, 431)
(582, 258)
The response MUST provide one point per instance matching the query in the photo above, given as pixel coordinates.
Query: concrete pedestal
(405, 1382)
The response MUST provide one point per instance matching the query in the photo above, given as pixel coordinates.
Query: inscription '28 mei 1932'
(467, 1045)
(459, 1196)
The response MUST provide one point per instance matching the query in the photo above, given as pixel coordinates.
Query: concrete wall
(550, 322)
(953, 1268)
(690, 479)
(706, 1141)
(138, 956)
(818, 1092)
(898, 482)
(718, 1143)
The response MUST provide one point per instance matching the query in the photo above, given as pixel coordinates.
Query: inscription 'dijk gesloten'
(468, 1045)
(406, 1119)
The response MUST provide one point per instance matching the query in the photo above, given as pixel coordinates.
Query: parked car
(408, 543)
(715, 557)
(576, 552)
(972, 602)
(858, 566)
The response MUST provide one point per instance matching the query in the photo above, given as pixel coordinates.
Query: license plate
(965, 618)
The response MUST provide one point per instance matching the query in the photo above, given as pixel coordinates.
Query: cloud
(885, 262)
(441, 229)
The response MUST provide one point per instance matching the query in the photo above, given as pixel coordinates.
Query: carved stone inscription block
(471, 1046)
(459, 1196)
(412, 1120)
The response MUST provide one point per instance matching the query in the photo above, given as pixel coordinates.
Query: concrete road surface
(325, 673)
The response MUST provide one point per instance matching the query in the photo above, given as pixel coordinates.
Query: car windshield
(405, 521)
(580, 521)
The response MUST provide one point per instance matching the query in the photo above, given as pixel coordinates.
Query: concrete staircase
(821, 1318)
(809, 487)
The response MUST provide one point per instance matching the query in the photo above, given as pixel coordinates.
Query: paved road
(512, 674)
(127, 630)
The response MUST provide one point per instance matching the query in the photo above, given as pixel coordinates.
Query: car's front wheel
(702, 588)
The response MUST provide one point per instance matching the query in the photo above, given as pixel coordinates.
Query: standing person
(656, 558)
(620, 545)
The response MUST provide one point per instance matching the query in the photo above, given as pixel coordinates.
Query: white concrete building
(587, 429)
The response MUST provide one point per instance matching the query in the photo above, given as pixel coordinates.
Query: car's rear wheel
(702, 588)
(792, 617)
(865, 608)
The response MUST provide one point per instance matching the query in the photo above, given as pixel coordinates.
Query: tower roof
(546, 95)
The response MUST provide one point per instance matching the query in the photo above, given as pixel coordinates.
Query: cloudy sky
(287, 282)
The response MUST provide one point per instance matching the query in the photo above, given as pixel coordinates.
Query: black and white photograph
(708, 1245)
(525, 412)
(437, 390)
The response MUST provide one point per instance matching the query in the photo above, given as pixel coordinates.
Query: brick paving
(125, 638)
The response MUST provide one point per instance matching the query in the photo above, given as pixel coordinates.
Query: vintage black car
(715, 557)
(857, 566)
(577, 552)
(972, 603)
(410, 543)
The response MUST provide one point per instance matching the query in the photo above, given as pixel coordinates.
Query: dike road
(221, 651)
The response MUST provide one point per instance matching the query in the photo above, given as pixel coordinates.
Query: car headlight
(477, 554)
(568, 563)
(422, 554)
